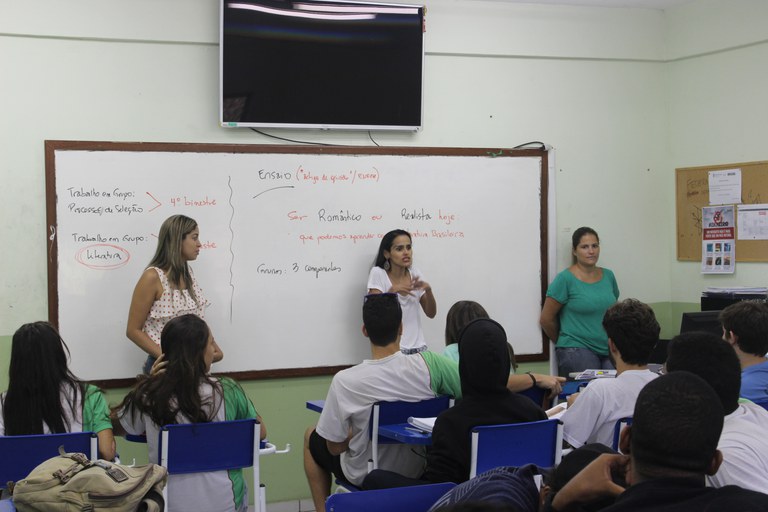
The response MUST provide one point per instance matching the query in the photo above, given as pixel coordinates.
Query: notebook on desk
(423, 424)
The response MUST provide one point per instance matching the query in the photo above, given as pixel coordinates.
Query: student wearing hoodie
(484, 366)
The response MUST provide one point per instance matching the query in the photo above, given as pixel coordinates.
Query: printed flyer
(718, 240)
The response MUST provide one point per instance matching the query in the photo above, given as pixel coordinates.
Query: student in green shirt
(44, 397)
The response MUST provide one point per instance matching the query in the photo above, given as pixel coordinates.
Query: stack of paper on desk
(737, 290)
(425, 424)
(593, 374)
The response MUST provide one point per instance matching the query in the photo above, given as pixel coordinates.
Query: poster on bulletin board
(718, 244)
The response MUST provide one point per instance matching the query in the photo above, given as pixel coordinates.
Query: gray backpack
(71, 482)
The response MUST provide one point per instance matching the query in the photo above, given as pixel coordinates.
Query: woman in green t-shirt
(576, 301)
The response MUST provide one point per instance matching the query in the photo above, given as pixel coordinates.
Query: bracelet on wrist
(533, 379)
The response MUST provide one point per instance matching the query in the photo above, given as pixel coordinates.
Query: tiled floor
(289, 506)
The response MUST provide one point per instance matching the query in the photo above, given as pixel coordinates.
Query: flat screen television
(327, 64)
(702, 321)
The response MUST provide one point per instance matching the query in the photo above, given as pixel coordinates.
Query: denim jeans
(148, 364)
(573, 359)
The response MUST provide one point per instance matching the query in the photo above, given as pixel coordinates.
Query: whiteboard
(289, 235)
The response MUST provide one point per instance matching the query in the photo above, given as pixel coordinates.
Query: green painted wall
(669, 314)
(281, 402)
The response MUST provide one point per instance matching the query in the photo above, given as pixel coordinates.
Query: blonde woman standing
(167, 288)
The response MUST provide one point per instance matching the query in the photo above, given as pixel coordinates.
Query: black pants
(384, 479)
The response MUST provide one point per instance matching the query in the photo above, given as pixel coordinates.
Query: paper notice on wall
(725, 186)
(718, 244)
(753, 222)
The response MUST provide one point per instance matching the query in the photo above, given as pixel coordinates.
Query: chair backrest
(517, 444)
(618, 427)
(762, 403)
(539, 396)
(391, 413)
(418, 498)
(19, 455)
(202, 447)
(572, 386)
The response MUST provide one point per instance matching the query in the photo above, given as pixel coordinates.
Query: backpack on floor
(71, 482)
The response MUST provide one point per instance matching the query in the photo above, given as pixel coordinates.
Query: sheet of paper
(425, 424)
(725, 186)
(752, 222)
(557, 411)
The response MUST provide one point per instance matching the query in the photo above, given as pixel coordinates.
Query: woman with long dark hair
(393, 272)
(43, 395)
(184, 392)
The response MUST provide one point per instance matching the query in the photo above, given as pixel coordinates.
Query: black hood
(484, 364)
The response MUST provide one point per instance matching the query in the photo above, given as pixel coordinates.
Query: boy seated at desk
(340, 443)
(671, 447)
(592, 414)
(484, 366)
(745, 328)
(743, 441)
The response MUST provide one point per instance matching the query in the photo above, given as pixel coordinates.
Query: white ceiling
(643, 4)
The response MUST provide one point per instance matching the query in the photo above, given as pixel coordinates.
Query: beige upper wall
(591, 82)
(707, 26)
(194, 21)
(453, 26)
(718, 108)
(497, 28)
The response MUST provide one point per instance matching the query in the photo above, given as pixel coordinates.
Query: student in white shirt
(340, 443)
(745, 327)
(592, 414)
(744, 442)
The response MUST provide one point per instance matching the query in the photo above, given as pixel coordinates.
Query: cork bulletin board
(692, 193)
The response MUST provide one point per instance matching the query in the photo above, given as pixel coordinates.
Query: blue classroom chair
(418, 498)
(516, 444)
(19, 455)
(539, 396)
(392, 413)
(618, 427)
(202, 447)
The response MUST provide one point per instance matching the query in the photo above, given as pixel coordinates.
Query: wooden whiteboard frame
(52, 146)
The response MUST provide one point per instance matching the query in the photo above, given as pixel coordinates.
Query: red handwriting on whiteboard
(335, 178)
(293, 215)
(448, 218)
(192, 201)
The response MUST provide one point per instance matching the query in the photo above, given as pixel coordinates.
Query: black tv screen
(702, 321)
(321, 64)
